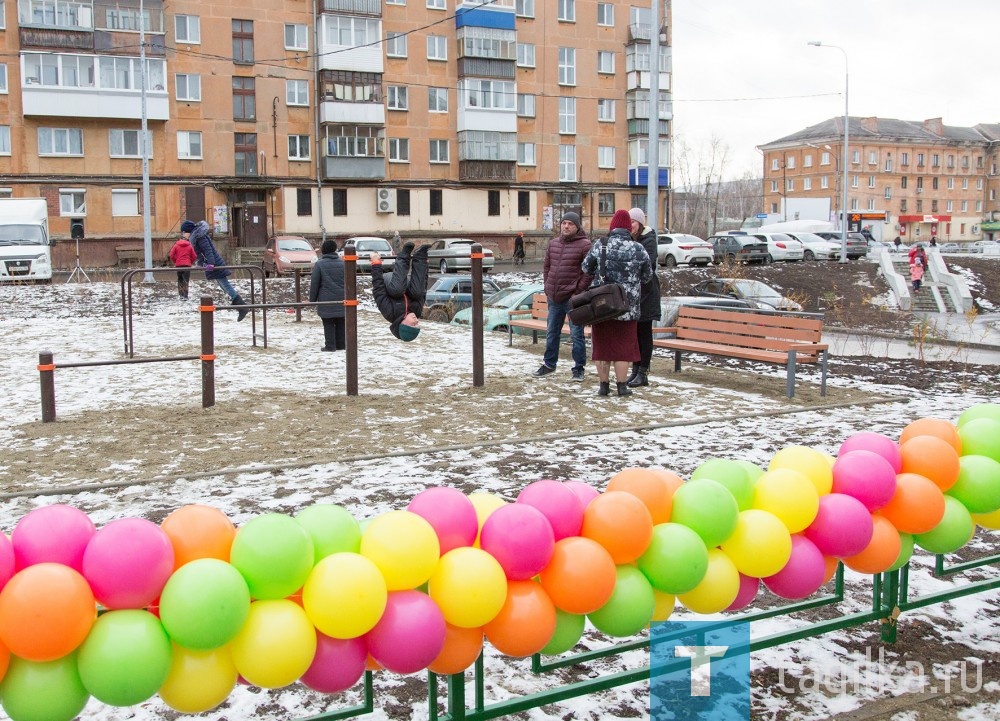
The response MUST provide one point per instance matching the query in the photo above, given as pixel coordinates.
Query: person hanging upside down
(400, 299)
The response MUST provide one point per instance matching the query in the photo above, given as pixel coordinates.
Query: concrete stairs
(932, 297)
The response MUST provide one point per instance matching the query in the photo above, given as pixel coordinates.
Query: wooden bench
(130, 255)
(536, 319)
(771, 338)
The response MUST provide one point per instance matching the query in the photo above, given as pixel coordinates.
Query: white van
(25, 246)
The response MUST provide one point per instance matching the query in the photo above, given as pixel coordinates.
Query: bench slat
(777, 321)
(750, 329)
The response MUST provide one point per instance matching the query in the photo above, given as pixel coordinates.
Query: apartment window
(525, 105)
(606, 14)
(775, 164)
(934, 206)
(525, 153)
(854, 181)
(807, 184)
(523, 203)
(396, 97)
(920, 160)
(187, 29)
(902, 205)
(297, 92)
(436, 202)
(606, 110)
(124, 203)
(934, 183)
(402, 201)
(60, 141)
(396, 2)
(949, 206)
(951, 161)
(904, 182)
(965, 184)
(493, 202)
(871, 204)
(920, 206)
(525, 55)
(606, 156)
(437, 100)
(790, 162)
(888, 192)
(774, 186)
(606, 203)
(436, 5)
(125, 143)
(855, 156)
(979, 205)
(303, 202)
(789, 185)
(873, 157)
(245, 152)
(567, 11)
(439, 151)
(606, 62)
(72, 201)
(951, 183)
(187, 87)
(904, 158)
(567, 163)
(437, 47)
(298, 147)
(395, 45)
(920, 183)
(774, 207)
(807, 161)
(296, 36)
(340, 202)
(824, 182)
(525, 8)
(4, 141)
(567, 66)
(244, 100)
(935, 161)
(399, 150)
(871, 181)
(824, 158)
(979, 184)
(567, 116)
(965, 161)
(888, 164)
(965, 206)
(489, 94)
(243, 42)
(854, 203)
(3, 68)
(189, 144)
(355, 141)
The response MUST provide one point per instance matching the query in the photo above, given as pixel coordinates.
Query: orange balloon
(462, 647)
(917, 505)
(649, 487)
(4, 661)
(525, 623)
(581, 575)
(672, 480)
(945, 430)
(931, 457)
(197, 531)
(46, 611)
(881, 552)
(830, 569)
(621, 523)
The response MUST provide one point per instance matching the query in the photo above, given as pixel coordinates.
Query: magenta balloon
(337, 665)
(451, 515)
(410, 633)
(520, 538)
(127, 563)
(865, 475)
(6, 560)
(876, 443)
(558, 503)
(746, 594)
(52, 534)
(584, 491)
(842, 527)
(802, 575)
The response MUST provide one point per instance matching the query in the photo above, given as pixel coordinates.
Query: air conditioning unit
(385, 200)
(975, 230)
(920, 190)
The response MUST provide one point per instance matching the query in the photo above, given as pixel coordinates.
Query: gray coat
(649, 302)
(327, 283)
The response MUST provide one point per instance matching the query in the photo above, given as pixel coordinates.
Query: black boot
(641, 378)
(623, 389)
(633, 374)
(604, 388)
(242, 312)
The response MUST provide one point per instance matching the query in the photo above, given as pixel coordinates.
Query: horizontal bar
(127, 361)
(941, 570)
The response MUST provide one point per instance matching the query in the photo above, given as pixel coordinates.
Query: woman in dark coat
(213, 263)
(649, 302)
(327, 283)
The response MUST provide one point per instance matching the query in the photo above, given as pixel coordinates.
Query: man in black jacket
(327, 283)
(400, 300)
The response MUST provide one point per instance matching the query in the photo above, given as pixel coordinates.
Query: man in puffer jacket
(212, 262)
(563, 279)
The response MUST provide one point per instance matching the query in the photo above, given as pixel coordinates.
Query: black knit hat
(187, 227)
(573, 218)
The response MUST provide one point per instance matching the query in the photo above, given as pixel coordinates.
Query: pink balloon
(802, 575)
(520, 538)
(584, 491)
(747, 593)
(876, 443)
(842, 527)
(127, 563)
(337, 665)
(52, 534)
(865, 475)
(410, 633)
(6, 560)
(558, 503)
(451, 515)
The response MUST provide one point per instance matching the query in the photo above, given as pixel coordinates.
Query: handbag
(599, 303)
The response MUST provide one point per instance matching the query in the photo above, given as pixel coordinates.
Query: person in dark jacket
(325, 284)
(182, 255)
(212, 262)
(400, 300)
(519, 249)
(649, 301)
(563, 279)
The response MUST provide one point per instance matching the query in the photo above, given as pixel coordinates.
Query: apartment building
(337, 117)
(912, 179)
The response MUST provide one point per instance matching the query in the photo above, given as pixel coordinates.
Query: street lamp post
(843, 165)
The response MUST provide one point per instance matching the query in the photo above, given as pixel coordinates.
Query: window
(873, 157)
(567, 163)
(3, 69)
(243, 42)
(854, 203)
(934, 183)
(790, 162)
(824, 182)
(888, 164)
(855, 156)
(605, 110)
(493, 202)
(935, 161)
(824, 158)
(340, 202)
(606, 156)
(775, 164)
(567, 66)
(4, 140)
(606, 14)
(396, 97)
(606, 203)
(395, 45)
(436, 202)
(567, 116)
(244, 100)
(189, 144)
(979, 206)
(402, 201)
(951, 183)
(949, 206)
(525, 8)
(567, 11)
(951, 161)
(245, 153)
(807, 161)
(902, 205)
(439, 151)
(525, 55)
(125, 143)
(187, 87)
(489, 94)
(72, 201)
(355, 141)
(296, 37)
(437, 47)
(187, 29)
(904, 182)
(871, 181)
(60, 141)
(871, 204)
(854, 181)
(807, 184)
(934, 206)
(396, 2)
(965, 161)
(920, 183)
(920, 160)
(606, 62)
(789, 184)
(888, 192)
(298, 147)
(297, 92)
(774, 186)
(525, 153)
(437, 100)
(979, 184)
(965, 184)
(436, 5)
(124, 203)
(904, 158)
(525, 105)
(303, 202)
(399, 150)
(523, 203)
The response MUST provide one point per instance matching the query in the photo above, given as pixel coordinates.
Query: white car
(815, 247)
(451, 255)
(673, 249)
(989, 247)
(364, 245)
(781, 246)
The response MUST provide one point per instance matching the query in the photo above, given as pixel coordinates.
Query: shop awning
(990, 225)
(924, 218)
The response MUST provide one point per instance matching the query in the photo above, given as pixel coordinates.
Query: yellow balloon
(789, 495)
(345, 595)
(811, 463)
(990, 521)
(664, 607)
(198, 680)
(760, 546)
(717, 589)
(485, 504)
(469, 586)
(276, 644)
(404, 547)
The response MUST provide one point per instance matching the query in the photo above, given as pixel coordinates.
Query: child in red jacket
(182, 255)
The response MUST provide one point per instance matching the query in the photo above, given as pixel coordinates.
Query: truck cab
(25, 245)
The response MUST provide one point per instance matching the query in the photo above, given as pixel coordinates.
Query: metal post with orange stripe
(478, 379)
(207, 309)
(351, 317)
(46, 373)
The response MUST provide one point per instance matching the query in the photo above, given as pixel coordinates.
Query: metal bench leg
(822, 384)
(534, 337)
(790, 380)
(510, 335)
(677, 361)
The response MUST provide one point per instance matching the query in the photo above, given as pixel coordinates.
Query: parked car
(816, 247)
(758, 294)
(497, 308)
(990, 247)
(450, 294)
(364, 245)
(671, 304)
(951, 248)
(451, 255)
(674, 249)
(781, 246)
(284, 254)
(857, 244)
(738, 249)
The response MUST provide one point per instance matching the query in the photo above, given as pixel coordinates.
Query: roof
(910, 131)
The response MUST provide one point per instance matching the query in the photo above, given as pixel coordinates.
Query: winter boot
(242, 312)
(604, 388)
(641, 378)
(623, 389)
(633, 374)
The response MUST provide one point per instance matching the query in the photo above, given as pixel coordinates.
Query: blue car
(497, 307)
(450, 294)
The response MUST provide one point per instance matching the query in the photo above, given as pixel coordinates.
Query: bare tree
(704, 203)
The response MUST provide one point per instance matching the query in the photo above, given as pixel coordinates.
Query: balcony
(353, 168)
(371, 8)
(487, 171)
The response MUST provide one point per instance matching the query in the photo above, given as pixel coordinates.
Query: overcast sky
(743, 73)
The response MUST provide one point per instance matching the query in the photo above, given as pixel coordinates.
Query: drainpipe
(319, 142)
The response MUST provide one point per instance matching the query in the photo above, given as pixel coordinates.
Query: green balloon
(978, 484)
(569, 629)
(125, 658)
(275, 555)
(204, 604)
(753, 470)
(631, 606)
(905, 552)
(48, 691)
(981, 437)
(675, 560)
(733, 475)
(954, 530)
(981, 410)
(708, 508)
(332, 528)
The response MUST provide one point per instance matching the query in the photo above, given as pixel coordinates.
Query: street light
(843, 168)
